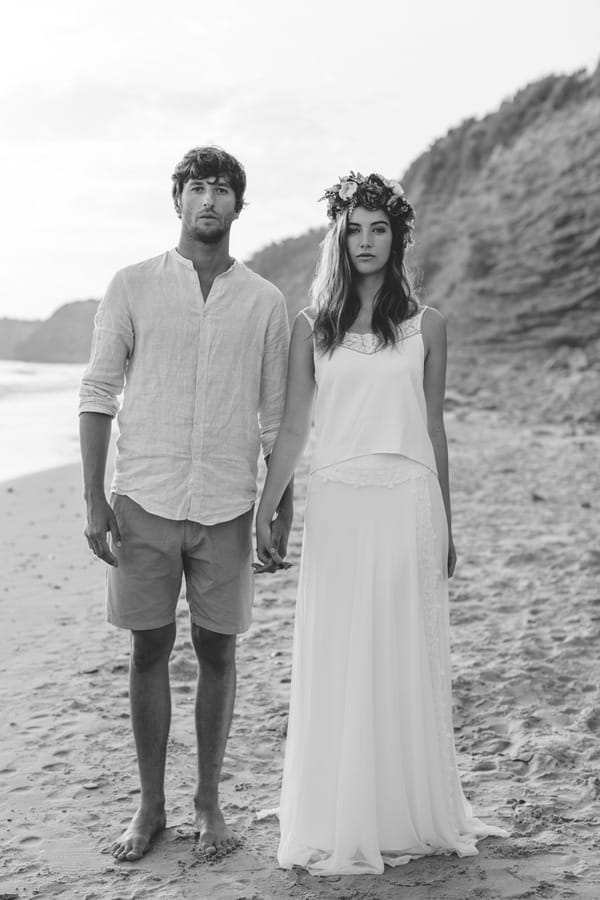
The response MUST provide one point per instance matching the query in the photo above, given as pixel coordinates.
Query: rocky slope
(507, 246)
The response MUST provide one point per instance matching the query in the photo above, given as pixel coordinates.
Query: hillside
(64, 337)
(290, 264)
(507, 246)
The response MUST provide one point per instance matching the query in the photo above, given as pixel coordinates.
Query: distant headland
(507, 247)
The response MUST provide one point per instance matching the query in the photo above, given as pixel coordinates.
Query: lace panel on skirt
(374, 470)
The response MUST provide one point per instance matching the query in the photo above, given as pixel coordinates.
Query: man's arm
(272, 399)
(102, 382)
(94, 436)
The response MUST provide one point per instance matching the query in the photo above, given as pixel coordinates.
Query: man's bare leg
(215, 697)
(150, 700)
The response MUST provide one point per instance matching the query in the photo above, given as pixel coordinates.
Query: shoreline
(525, 626)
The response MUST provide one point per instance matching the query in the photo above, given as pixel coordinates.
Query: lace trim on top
(374, 470)
(369, 342)
(361, 343)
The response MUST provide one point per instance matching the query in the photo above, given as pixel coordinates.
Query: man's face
(207, 208)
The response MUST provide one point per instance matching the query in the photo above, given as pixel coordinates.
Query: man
(199, 343)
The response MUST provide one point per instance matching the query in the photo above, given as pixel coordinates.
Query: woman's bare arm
(433, 327)
(292, 436)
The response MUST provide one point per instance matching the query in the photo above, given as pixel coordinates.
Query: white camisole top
(370, 399)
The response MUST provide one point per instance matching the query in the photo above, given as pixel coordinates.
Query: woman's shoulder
(309, 312)
(425, 320)
(433, 327)
(307, 315)
(431, 318)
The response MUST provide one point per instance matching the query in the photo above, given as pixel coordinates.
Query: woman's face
(368, 240)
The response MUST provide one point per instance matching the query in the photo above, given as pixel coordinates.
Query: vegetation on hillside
(507, 246)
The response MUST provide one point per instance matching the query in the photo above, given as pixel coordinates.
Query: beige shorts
(156, 553)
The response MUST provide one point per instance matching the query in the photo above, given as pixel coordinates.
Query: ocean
(38, 415)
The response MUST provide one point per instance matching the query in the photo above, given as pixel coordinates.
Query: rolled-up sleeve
(273, 375)
(112, 346)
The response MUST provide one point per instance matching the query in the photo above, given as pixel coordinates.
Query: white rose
(348, 190)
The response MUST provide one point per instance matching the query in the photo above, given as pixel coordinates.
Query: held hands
(100, 520)
(271, 543)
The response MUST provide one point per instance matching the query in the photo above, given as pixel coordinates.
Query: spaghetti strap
(309, 318)
(419, 316)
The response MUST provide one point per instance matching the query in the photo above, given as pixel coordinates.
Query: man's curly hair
(210, 162)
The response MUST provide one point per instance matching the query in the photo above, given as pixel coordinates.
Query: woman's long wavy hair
(334, 297)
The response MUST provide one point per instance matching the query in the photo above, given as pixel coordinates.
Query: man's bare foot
(137, 837)
(214, 837)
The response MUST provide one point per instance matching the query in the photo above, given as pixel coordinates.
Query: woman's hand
(451, 556)
(271, 546)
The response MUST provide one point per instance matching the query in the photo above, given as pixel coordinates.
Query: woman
(370, 774)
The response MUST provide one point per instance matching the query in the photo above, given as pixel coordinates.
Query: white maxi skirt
(370, 773)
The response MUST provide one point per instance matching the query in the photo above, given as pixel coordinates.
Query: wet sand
(525, 607)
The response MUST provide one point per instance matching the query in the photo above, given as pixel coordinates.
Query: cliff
(507, 246)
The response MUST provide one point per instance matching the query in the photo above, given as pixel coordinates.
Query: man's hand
(100, 520)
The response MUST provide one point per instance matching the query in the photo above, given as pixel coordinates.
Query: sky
(100, 100)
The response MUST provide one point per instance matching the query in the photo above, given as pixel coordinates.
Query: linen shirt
(203, 383)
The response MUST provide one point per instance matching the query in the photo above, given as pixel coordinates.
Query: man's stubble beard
(210, 237)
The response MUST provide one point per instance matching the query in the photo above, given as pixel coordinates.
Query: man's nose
(208, 199)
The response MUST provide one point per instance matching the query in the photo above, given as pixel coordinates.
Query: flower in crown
(372, 192)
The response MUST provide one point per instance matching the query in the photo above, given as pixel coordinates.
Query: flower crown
(372, 192)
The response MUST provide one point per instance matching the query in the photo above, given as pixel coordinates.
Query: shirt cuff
(267, 439)
(106, 407)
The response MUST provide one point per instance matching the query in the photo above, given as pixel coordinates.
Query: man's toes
(209, 846)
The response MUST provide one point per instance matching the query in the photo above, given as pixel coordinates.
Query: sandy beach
(525, 607)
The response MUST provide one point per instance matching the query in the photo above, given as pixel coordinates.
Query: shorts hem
(210, 626)
(112, 620)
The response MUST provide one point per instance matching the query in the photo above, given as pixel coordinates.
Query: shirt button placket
(200, 409)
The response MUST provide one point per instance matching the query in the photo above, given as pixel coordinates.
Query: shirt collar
(184, 261)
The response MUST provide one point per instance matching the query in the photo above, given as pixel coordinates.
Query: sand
(525, 630)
